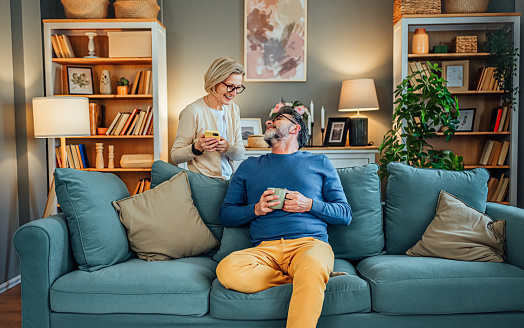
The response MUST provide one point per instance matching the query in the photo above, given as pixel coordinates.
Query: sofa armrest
(514, 217)
(45, 254)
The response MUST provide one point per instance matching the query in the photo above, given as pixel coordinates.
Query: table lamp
(358, 95)
(60, 117)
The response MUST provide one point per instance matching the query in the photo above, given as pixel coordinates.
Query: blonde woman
(215, 112)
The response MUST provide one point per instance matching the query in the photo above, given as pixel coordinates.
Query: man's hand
(297, 203)
(262, 207)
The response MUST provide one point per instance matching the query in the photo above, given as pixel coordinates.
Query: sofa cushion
(179, 287)
(98, 239)
(163, 224)
(233, 239)
(344, 294)
(412, 195)
(207, 193)
(459, 232)
(364, 236)
(403, 285)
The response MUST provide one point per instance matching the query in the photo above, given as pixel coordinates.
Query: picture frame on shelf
(280, 27)
(80, 80)
(250, 126)
(456, 73)
(466, 120)
(336, 131)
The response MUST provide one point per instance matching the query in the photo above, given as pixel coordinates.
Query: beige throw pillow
(459, 232)
(163, 224)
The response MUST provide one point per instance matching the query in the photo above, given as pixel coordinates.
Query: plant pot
(122, 89)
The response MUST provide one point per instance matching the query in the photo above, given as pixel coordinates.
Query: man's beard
(278, 134)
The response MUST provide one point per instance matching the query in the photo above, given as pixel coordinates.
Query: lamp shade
(56, 117)
(358, 95)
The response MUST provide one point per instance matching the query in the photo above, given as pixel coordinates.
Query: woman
(215, 112)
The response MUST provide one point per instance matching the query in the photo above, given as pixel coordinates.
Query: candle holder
(322, 141)
(310, 143)
(91, 45)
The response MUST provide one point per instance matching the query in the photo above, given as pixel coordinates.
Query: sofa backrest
(412, 195)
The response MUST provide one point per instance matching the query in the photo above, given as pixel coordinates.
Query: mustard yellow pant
(305, 262)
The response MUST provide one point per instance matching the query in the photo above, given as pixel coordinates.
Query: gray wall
(519, 8)
(347, 39)
(22, 158)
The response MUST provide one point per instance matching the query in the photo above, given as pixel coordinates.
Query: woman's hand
(223, 145)
(296, 202)
(262, 207)
(206, 144)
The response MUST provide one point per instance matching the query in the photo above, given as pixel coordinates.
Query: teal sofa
(384, 288)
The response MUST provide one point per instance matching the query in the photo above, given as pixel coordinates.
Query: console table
(339, 156)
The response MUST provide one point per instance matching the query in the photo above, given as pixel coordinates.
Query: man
(291, 243)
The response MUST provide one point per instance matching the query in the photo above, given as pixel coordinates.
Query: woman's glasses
(231, 88)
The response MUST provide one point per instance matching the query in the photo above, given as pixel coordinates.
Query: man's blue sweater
(312, 175)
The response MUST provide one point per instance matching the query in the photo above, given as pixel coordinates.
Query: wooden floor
(11, 308)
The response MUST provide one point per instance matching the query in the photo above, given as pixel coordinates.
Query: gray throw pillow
(163, 223)
(460, 232)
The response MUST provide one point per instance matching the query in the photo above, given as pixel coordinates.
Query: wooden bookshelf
(441, 29)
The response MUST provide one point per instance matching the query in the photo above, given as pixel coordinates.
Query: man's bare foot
(337, 273)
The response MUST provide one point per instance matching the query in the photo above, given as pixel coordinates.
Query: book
(78, 156)
(147, 83)
(58, 155)
(482, 78)
(141, 83)
(147, 185)
(121, 122)
(493, 120)
(478, 78)
(63, 46)
(70, 158)
(503, 118)
(149, 121)
(503, 153)
(506, 122)
(113, 124)
(139, 123)
(497, 190)
(135, 191)
(56, 49)
(83, 153)
(492, 185)
(497, 122)
(503, 190)
(132, 126)
(495, 153)
(68, 47)
(142, 183)
(128, 122)
(135, 83)
(486, 152)
(487, 79)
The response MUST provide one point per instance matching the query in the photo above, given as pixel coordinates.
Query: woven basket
(256, 141)
(137, 160)
(414, 7)
(136, 9)
(88, 9)
(464, 44)
(464, 6)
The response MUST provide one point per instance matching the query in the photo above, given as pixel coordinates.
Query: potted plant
(503, 56)
(421, 110)
(122, 86)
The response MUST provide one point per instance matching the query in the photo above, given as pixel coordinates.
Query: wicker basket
(414, 7)
(256, 141)
(88, 9)
(136, 9)
(137, 160)
(464, 44)
(464, 6)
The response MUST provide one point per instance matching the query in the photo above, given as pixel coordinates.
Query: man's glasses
(231, 88)
(278, 117)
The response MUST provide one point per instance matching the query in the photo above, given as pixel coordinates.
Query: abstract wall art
(275, 40)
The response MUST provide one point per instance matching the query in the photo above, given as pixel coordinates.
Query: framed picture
(457, 74)
(466, 120)
(275, 40)
(250, 126)
(336, 131)
(80, 80)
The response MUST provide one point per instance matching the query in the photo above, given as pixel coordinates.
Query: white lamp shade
(56, 117)
(358, 95)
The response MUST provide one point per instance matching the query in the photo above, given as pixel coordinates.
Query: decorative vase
(420, 41)
(122, 89)
(105, 83)
(99, 155)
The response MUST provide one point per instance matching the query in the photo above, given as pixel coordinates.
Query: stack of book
(136, 123)
(494, 153)
(498, 189)
(142, 185)
(143, 83)
(500, 119)
(62, 46)
(485, 80)
(76, 157)
(420, 69)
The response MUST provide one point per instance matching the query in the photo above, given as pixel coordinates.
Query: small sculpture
(111, 162)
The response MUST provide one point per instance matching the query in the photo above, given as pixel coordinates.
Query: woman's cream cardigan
(193, 121)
